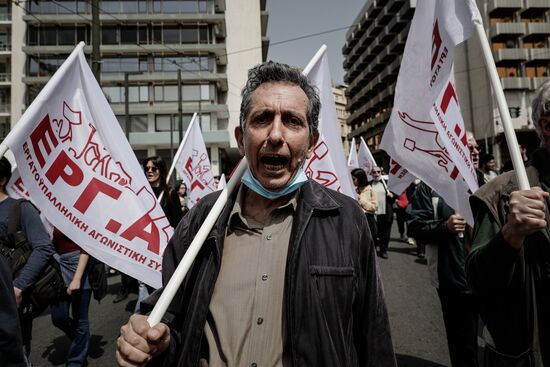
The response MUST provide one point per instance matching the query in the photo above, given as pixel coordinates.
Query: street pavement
(414, 310)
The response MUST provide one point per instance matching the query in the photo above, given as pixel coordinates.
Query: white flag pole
(177, 155)
(509, 133)
(314, 60)
(185, 264)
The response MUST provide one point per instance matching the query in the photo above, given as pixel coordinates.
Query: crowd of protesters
(496, 273)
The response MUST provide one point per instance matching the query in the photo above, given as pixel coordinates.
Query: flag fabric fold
(365, 160)
(327, 164)
(193, 164)
(79, 169)
(425, 136)
(352, 157)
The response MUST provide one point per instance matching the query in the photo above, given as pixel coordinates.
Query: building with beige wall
(212, 43)
(340, 100)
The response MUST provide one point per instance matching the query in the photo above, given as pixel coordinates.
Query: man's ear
(312, 144)
(239, 136)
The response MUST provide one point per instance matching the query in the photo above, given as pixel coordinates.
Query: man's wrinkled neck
(258, 207)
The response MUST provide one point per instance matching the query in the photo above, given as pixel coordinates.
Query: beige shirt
(246, 320)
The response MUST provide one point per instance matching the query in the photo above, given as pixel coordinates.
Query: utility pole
(126, 107)
(96, 60)
(180, 107)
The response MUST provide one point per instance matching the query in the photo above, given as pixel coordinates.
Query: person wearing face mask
(288, 274)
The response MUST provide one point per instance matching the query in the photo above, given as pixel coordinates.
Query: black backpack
(16, 250)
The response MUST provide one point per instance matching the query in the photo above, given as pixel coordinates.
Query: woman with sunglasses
(156, 172)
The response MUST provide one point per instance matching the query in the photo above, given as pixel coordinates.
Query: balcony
(535, 7)
(5, 108)
(505, 30)
(5, 48)
(5, 17)
(536, 29)
(5, 77)
(538, 54)
(502, 7)
(537, 82)
(516, 83)
(510, 54)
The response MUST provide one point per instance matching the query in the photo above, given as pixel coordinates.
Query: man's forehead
(269, 92)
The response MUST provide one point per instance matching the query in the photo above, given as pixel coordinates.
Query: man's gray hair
(276, 72)
(541, 106)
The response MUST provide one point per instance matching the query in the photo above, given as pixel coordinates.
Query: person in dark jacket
(433, 222)
(42, 250)
(509, 267)
(12, 353)
(288, 274)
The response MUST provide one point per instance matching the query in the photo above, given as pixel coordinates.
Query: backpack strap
(14, 217)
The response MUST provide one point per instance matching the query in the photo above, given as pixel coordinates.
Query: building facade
(372, 56)
(144, 45)
(519, 34)
(340, 100)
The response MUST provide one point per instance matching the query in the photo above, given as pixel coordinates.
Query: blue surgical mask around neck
(297, 181)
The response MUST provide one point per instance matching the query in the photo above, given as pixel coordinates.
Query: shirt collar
(236, 212)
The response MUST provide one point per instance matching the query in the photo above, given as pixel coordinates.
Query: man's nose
(276, 131)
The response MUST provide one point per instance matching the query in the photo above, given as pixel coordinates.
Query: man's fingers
(130, 353)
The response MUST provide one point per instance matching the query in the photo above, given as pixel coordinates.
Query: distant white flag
(81, 172)
(15, 187)
(433, 149)
(352, 157)
(327, 164)
(193, 164)
(365, 160)
(222, 183)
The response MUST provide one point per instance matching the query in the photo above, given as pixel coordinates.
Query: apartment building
(372, 56)
(144, 44)
(5, 66)
(340, 100)
(519, 34)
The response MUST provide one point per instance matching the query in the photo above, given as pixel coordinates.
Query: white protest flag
(80, 170)
(352, 157)
(193, 164)
(15, 187)
(222, 183)
(327, 164)
(434, 150)
(365, 160)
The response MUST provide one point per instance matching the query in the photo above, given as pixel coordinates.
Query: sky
(289, 19)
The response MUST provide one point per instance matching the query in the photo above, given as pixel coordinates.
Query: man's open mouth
(274, 161)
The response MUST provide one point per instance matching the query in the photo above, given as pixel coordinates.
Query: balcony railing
(499, 29)
(516, 83)
(538, 28)
(5, 17)
(510, 54)
(539, 54)
(5, 77)
(4, 47)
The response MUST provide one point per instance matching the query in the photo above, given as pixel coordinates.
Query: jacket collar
(312, 196)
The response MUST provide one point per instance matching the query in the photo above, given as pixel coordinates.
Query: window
(128, 35)
(66, 36)
(109, 35)
(138, 93)
(204, 120)
(171, 35)
(113, 94)
(47, 36)
(142, 34)
(162, 122)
